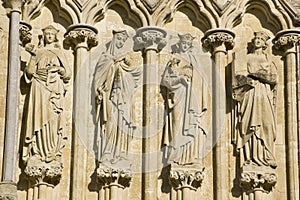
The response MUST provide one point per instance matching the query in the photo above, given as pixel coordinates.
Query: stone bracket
(263, 179)
(186, 177)
(109, 176)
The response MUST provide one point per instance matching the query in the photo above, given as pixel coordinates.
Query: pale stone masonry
(149, 99)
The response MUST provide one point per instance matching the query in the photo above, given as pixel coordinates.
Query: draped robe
(115, 79)
(186, 107)
(45, 120)
(257, 124)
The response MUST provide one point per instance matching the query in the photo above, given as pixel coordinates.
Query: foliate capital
(257, 178)
(186, 178)
(81, 35)
(39, 172)
(217, 37)
(286, 39)
(108, 176)
(150, 38)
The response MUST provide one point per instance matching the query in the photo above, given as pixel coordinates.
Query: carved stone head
(120, 36)
(185, 42)
(50, 34)
(260, 40)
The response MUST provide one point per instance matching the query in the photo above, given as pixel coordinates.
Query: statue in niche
(256, 95)
(186, 105)
(116, 77)
(49, 72)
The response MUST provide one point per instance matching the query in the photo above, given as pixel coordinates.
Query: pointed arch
(130, 14)
(62, 13)
(199, 15)
(268, 10)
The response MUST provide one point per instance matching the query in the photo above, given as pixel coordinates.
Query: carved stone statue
(48, 72)
(186, 104)
(256, 94)
(116, 77)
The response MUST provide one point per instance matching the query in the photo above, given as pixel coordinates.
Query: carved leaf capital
(150, 38)
(81, 35)
(287, 39)
(191, 178)
(217, 37)
(41, 172)
(251, 180)
(108, 176)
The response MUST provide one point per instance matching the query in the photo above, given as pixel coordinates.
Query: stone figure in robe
(186, 105)
(256, 91)
(116, 77)
(48, 72)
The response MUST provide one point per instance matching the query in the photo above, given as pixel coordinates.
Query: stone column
(81, 38)
(8, 187)
(218, 42)
(286, 41)
(150, 40)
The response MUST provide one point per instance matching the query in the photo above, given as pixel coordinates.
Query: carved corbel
(114, 177)
(251, 181)
(39, 172)
(181, 178)
(258, 180)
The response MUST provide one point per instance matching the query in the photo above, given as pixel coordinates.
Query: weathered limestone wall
(101, 133)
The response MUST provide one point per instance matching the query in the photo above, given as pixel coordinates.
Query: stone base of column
(8, 190)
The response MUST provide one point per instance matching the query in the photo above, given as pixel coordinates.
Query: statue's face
(259, 42)
(185, 45)
(49, 36)
(120, 40)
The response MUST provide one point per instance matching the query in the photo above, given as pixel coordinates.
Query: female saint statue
(186, 105)
(116, 77)
(257, 124)
(48, 72)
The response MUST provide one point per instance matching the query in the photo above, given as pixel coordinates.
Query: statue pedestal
(186, 179)
(257, 178)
